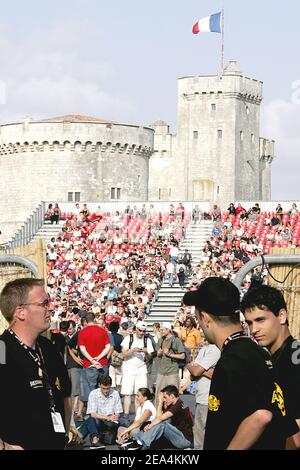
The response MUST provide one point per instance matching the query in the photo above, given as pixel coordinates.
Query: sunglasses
(45, 303)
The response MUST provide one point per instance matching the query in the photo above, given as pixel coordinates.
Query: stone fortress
(216, 155)
(70, 158)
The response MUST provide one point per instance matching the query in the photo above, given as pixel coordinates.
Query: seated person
(49, 212)
(173, 422)
(145, 413)
(104, 407)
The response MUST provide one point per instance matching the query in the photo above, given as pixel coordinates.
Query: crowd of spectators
(239, 235)
(111, 264)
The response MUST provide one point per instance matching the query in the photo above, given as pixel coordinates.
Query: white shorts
(131, 383)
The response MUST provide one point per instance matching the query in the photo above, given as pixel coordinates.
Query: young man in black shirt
(265, 311)
(246, 408)
(173, 422)
(35, 388)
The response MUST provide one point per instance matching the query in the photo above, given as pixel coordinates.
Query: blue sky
(120, 60)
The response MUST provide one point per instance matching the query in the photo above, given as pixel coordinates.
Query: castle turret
(216, 152)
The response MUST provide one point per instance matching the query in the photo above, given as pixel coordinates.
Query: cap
(216, 295)
(166, 325)
(124, 325)
(141, 325)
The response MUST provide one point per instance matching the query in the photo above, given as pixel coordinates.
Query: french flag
(210, 24)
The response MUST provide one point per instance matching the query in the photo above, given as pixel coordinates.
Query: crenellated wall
(47, 160)
(25, 147)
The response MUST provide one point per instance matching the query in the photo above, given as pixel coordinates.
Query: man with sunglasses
(136, 349)
(35, 388)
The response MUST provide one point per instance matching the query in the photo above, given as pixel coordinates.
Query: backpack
(116, 359)
(181, 362)
(146, 336)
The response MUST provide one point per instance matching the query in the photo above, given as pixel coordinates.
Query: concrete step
(168, 290)
(175, 297)
(168, 306)
(192, 246)
(167, 303)
(159, 318)
(169, 299)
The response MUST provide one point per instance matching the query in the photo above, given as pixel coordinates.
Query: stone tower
(70, 158)
(217, 153)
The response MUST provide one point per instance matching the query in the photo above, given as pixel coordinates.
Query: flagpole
(223, 22)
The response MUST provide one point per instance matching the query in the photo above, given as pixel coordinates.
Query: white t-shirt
(135, 364)
(207, 357)
(148, 405)
(174, 251)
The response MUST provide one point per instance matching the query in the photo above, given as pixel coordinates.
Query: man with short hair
(173, 422)
(94, 344)
(246, 408)
(265, 312)
(74, 364)
(187, 260)
(134, 369)
(170, 350)
(202, 370)
(35, 387)
(104, 408)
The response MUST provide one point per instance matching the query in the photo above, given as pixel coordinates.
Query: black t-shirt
(286, 363)
(117, 341)
(72, 343)
(25, 410)
(182, 419)
(242, 384)
(59, 342)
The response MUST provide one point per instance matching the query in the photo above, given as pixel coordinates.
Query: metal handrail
(26, 232)
(260, 261)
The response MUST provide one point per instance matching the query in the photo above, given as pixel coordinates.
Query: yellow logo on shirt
(213, 403)
(278, 398)
(57, 384)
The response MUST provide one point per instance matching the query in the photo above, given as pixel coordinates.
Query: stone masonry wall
(44, 161)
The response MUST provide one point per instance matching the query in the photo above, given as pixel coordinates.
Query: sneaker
(126, 444)
(134, 446)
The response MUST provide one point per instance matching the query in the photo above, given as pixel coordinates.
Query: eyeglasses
(141, 331)
(43, 304)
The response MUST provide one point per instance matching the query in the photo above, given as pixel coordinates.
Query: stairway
(47, 231)
(194, 241)
(169, 298)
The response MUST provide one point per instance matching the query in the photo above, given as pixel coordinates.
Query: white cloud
(60, 70)
(281, 122)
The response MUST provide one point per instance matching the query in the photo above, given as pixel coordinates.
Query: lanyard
(237, 335)
(38, 359)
